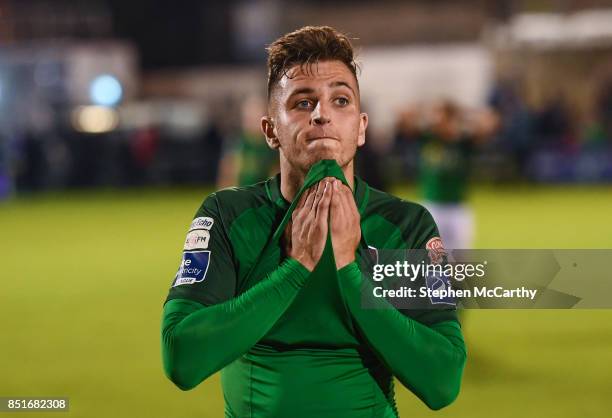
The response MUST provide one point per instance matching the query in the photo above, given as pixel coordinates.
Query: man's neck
(292, 179)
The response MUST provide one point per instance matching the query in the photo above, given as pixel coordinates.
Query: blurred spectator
(210, 148)
(139, 154)
(5, 181)
(604, 110)
(515, 131)
(553, 124)
(144, 146)
(89, 153)
(32, 163)
(368, 163)
(370, 160)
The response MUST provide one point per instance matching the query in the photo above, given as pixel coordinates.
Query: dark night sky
(182, 33)
(175, 34)
(196, 32)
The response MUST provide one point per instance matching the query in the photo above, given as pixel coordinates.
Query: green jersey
(317, 357)
(444, 168)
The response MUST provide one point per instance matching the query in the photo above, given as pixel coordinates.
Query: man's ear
(269, 131)
(363, 125)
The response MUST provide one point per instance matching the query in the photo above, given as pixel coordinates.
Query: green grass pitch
(84, 276)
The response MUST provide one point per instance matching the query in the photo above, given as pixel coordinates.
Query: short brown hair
(305, 46)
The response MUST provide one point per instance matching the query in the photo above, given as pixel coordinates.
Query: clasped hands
(327, 204)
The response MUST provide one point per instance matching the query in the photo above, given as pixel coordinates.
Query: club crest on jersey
(197, 240)
(194, 266)
(202, 222)
(435, 249)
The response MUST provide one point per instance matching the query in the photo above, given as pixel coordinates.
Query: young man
(268, 290)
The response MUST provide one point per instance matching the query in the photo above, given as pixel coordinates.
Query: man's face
(315, 114)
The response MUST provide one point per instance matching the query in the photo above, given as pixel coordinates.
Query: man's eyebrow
(303, 90)
(310, 90)
(342, 84)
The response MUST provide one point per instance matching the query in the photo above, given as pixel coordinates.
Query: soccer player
(246, 158)
(268, 290)
(447, 137)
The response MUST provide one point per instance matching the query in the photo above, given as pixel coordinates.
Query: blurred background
(117, 118)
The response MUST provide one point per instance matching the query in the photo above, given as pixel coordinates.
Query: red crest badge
(436, 251)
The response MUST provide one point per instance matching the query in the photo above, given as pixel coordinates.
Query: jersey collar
(361, 193)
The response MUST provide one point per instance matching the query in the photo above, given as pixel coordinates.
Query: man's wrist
(300, 264)
(350, 272)
(343, 263)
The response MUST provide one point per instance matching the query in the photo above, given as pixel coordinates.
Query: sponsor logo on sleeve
(197, 240)
(439, 286)
(202, 222)
(194, 266)
(435, 249)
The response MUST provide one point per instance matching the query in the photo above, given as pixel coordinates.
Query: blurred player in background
(447, 137)
(247, 158)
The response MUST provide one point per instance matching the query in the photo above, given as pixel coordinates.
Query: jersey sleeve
(421, 230)
(207, 270)
(428, 359)
(205, 324)
(424, 236)
(423, 348)
(198, 341)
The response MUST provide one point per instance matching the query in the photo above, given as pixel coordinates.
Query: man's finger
(330, 180)
(335, 200)
(348, 195)
(301, 204)
(318, 195)
(323, 206)
(348, 201)
(302, 200)
(310, 199)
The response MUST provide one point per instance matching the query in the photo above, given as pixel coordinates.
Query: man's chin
(326, 156)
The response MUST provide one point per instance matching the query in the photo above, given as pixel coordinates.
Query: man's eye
(342, 101)
(303, 104)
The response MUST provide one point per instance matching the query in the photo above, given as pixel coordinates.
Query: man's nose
(320, 115)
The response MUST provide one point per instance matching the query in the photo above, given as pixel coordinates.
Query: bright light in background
(105, 90)
(94, 119)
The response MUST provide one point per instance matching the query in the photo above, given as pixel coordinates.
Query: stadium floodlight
(94, 119)
(105, 90)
